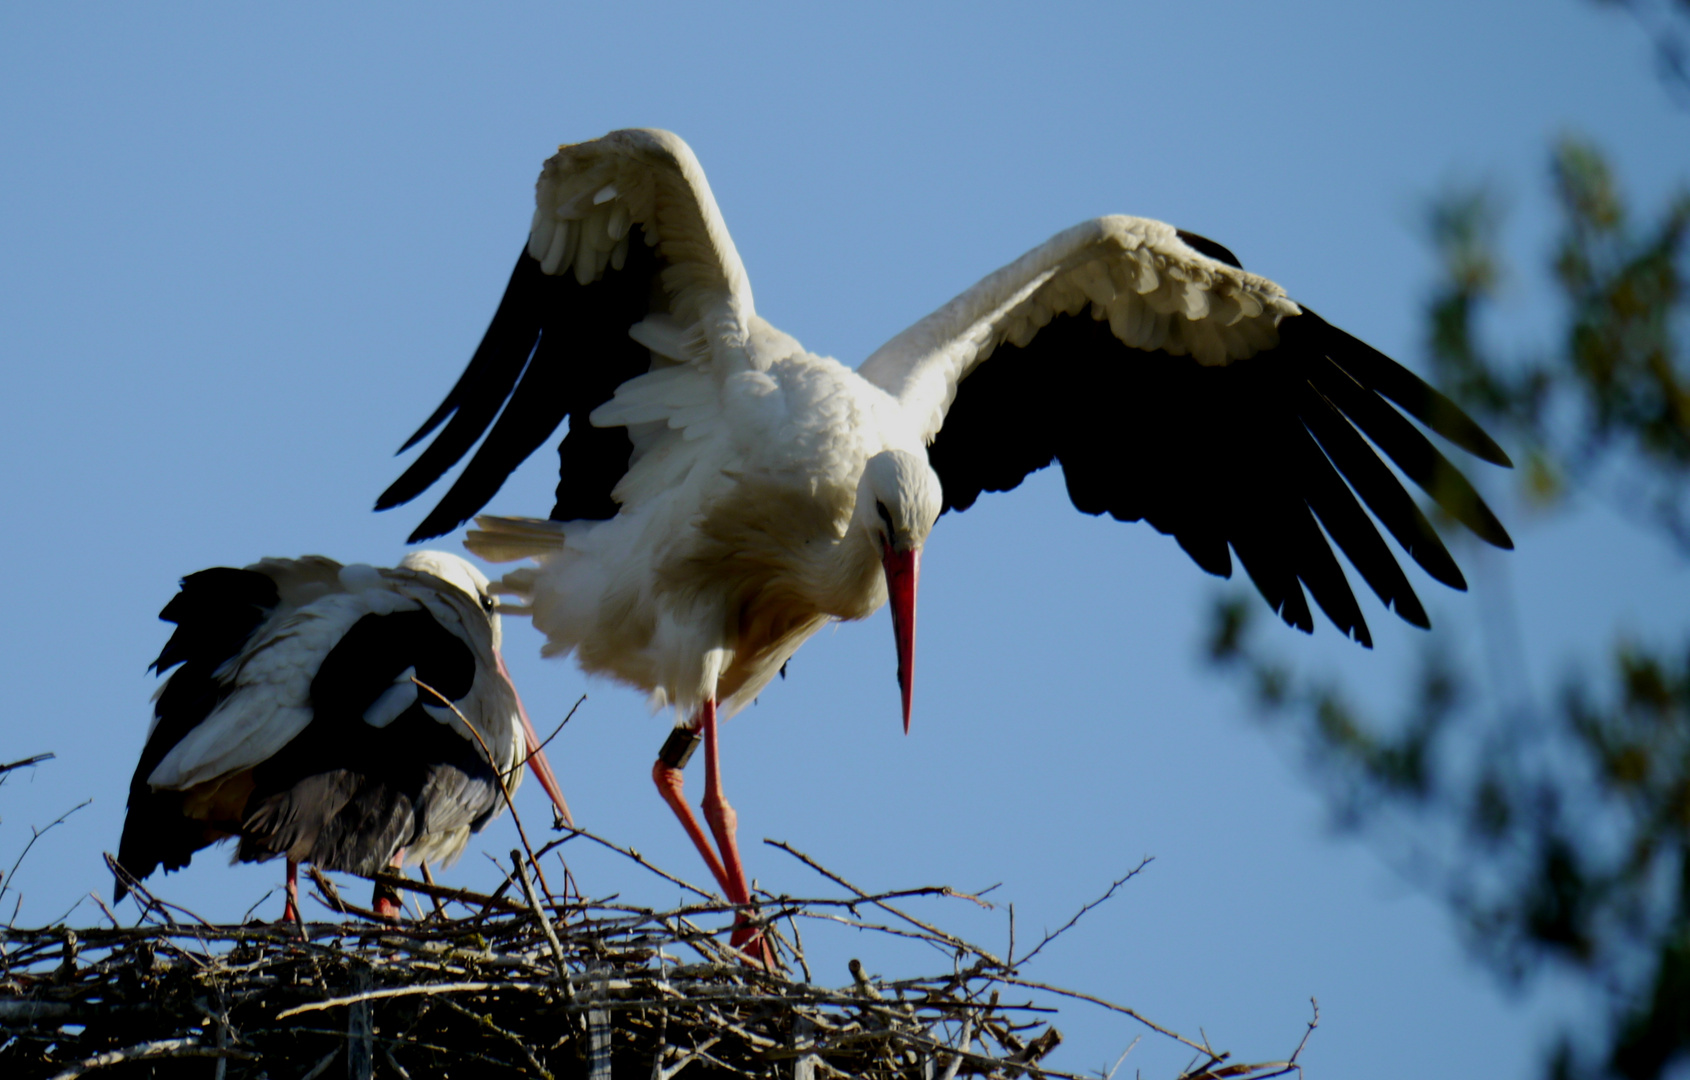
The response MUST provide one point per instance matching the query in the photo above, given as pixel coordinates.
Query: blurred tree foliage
(1559, 832)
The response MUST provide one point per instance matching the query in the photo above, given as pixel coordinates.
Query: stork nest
(520, 980)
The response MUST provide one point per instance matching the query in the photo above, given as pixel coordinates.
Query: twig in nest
(547, 741)
(148, 901)
(268, 893)
(949, 939)
(486, 1023)
(428, 879)
(540, 913)
(630, 853)
(24, 763)
(35, 834)
(406, 991)
(1113, 1069)
(501, 975)
(163, 1048)
(108, 911)
(1116, 884)
(331, 895)
(504, 788)
(338, 904)
(1314, 1022)
(1110, 1005)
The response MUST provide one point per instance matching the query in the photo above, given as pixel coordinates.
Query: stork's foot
(753, 946)
(290, 907)
(385, 900)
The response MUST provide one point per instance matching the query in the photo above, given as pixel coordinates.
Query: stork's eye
(488, 604)
(880, 508)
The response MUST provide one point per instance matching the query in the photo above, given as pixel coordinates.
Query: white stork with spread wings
(724, 493)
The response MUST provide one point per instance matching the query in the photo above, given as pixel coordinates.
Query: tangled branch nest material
(523, 981)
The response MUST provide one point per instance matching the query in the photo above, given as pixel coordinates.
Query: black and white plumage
(724, 493)
(292, 722)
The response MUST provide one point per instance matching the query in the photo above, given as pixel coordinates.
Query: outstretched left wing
(1176, 388)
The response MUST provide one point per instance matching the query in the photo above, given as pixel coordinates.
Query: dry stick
(798, 946)
(963, 1043)
(66, 916)
(949, 939)
(487, 1024)
(387, 1052)
(267, 894)
(323, 1063)
(1116, 884)
(1314, 1022)
(24, 763)
(692, 1055)
(161, 1048)
(504, 788)
(540, 913)
(1110, 1005)
(408, 1044)
(407, 991)
(332, 899)
(150, 902)
(1009, 957)
(35, 834)
(107, 910)
(466, 897)
(428, 878)
(331, 895)
(547, 741)
(1110, 1075)
(629, 853)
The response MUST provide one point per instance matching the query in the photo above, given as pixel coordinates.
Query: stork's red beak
(536, 756)
(903, 569)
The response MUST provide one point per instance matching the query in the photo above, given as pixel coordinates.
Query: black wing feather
(1385, 376)
(555, 349)
(347, 796)
(1253, 459)
(1379, 488)
(215, 613)
(1356, 537)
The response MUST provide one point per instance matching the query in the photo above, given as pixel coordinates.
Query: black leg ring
(678, 747)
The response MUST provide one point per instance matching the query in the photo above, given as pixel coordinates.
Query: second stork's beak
(903, 569)
(535, 756)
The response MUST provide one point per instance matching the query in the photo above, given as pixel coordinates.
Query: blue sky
(246, 252)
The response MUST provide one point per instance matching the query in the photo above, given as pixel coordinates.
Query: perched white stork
(295, 723)
(724, 493)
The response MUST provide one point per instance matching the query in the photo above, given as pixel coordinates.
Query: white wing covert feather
(590, 194)
(1154, 290)
(271, 700)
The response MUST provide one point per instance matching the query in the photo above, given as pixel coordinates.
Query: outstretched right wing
(626, 239)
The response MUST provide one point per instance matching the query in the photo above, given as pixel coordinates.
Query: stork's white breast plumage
(723, 492)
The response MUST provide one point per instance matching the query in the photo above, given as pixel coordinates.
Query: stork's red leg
(726, 868)
(725, 824)
(290, 910)
(386, 898)
(666, 774)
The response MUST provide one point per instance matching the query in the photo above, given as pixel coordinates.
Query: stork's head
(460, 572)
(898, 500)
